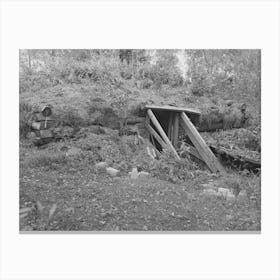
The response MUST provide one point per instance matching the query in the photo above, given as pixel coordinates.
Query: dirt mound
(224, 116)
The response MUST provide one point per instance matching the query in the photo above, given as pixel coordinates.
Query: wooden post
(147, 121)
(161, 132)
(170, 123)
(157, 137)
(175, 130)
(205, 152)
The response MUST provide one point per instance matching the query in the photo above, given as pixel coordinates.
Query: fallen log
(236, 161)
(227, 159)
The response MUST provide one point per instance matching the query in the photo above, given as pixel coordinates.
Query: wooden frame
(170, 141)
(204, 151)
(162, 133)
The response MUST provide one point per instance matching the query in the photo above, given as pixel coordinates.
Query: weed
(47, 160)
(26, 117)
(172, 169)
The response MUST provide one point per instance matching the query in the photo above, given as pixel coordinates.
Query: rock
(73, 151)
(211, 192)
(226, 193)
(112, 171)
(134, 173)
(228, 102)
(209, 185)
(101, 165)
(229, 217)
(143, 174)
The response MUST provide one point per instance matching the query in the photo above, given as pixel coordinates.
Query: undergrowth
(172, 169)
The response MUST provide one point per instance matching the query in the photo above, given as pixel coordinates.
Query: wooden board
(157, 137)
(170, 124)
(161, 132)
(175, 130)
(174, 109)
(205, 152)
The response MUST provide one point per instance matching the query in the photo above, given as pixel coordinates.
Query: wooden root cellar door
(163, 122)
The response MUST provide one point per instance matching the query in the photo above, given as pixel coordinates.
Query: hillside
(97, 98)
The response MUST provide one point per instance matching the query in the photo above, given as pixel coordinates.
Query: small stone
(143, 174)
(229, 217)
(134, 173)
(226, 193)
(210, 185)
(73, 151)
(210, 192)
(101, 165)
(112, 171)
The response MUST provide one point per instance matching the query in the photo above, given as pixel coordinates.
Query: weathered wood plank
(205, 152)
(173, 108)
(170, 124)
(175, 130)
(161, 132)
(157, 137)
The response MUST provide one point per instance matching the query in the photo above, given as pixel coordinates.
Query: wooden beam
(205, 152)
(175, 130)
(157, 137)
(150, 137)
(161, 132)
(170, 123)
(174, 109)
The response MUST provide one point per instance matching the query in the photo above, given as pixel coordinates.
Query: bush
(35, 81)
(69, 118)
(26, 117)
(158, 76)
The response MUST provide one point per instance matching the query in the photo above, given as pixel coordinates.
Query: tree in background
(235, 72)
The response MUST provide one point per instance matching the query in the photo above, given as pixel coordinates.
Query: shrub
(70, 118)
(26, 117)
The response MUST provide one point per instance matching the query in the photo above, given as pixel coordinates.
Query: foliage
(26, 116)
(70, 118)
(202, 72)
(93, 90)
(171, 169)
(48, 160)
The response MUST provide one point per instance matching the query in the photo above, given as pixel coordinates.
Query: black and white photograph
(139, 140)
(161, 140)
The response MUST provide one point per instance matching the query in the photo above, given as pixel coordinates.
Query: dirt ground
(87, 199)
(61, 189)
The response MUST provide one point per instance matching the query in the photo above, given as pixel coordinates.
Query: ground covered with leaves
(93, 95)
(62, 189)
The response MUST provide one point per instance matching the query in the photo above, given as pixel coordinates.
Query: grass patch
(47, 160)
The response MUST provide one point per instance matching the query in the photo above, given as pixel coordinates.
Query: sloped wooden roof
(174, 109)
